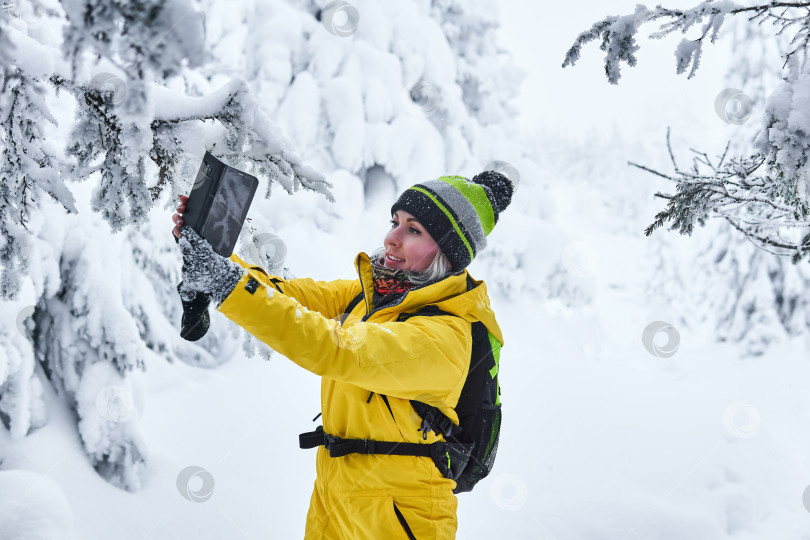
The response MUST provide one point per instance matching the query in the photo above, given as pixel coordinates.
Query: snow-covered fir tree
(138, 93)
(98, 301)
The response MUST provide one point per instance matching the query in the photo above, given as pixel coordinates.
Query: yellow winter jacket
(421, 358)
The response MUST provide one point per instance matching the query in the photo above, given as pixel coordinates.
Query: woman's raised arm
(423, 357)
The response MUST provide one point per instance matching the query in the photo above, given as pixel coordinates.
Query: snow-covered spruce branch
(147, 42)
(251, 138)
(763, 192)
(114, 134)
(617, 33)
(143, 38)
(29, 167)
(728, 189)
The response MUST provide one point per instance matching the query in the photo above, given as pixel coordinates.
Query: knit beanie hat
(458, 213)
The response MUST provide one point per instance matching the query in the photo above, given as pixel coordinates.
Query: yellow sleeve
(327, 297)
(423, 358)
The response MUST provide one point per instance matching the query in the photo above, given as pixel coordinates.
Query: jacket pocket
(402, 522)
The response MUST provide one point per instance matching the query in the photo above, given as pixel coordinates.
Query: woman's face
(408, 246)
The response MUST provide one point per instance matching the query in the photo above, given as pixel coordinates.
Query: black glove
(195, 321)
(206, 276)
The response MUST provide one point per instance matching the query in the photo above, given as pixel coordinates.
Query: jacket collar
(450, 295)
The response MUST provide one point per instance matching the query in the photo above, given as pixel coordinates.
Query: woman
(376, 361)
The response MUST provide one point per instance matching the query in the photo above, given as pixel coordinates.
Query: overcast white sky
(579, 99)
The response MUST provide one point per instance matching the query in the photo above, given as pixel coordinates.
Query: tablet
(218, 203)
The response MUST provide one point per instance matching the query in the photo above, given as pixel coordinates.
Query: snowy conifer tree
(762, 194)
(757, 189)
(101, 302)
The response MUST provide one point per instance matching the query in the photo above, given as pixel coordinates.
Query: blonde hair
(437, 270)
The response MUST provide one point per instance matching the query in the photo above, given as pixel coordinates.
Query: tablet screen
(228, 210)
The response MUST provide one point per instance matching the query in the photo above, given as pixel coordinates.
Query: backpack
(468, 452)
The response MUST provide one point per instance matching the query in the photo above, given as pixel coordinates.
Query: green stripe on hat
(441, 207)
(462, 209)
(478, 198)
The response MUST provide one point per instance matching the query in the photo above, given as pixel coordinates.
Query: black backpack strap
(427, 311)
(339, 447)
(356, 300)
(432, 418)
(311, 439)
(449, 457)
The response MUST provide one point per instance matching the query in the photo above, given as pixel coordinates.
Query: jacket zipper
(375, 310)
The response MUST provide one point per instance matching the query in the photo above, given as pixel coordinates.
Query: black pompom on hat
(498, 187)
